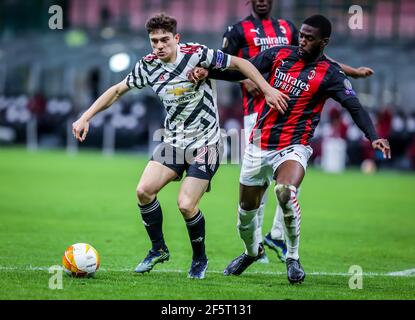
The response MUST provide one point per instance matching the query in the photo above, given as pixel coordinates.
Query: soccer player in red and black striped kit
(279, 143)
(247, 38)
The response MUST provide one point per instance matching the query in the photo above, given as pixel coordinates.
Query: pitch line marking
(403, 273)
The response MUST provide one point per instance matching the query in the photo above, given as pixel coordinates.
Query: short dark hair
(161, 21)
(320, 22)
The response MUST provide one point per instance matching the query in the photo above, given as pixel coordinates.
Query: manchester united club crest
(163, 77)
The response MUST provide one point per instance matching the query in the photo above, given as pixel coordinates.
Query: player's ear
(324, 42)
(177, 37)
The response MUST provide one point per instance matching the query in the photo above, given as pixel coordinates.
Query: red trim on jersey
(247, 25)
(299, 108)
(287, 28)
(272, 114)
(190, 48)
(150, 57)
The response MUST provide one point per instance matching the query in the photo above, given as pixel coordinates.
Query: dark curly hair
(161, 21)
(320, 22)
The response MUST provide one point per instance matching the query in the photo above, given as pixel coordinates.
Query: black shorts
(201, 163)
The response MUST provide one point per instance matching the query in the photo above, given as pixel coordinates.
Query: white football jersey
(192, 113)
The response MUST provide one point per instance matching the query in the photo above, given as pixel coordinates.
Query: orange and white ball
(80, 260)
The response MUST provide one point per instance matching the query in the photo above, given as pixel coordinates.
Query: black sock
(196, 229)
(153, 220)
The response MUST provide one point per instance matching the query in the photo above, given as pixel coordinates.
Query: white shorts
(259, 165)
(249, 123)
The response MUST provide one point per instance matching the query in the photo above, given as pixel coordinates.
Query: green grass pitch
(50, 200)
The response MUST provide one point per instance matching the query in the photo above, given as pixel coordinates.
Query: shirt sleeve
(361, 117)
(339, 86)
(214, 59)
(265, 59)
(232, 41)
(227, 75)
(341, 90)
(263, 62)
(137, 77)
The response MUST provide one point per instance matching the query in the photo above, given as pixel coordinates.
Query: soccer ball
(80, 260)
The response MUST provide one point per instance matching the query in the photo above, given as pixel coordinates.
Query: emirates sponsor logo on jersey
(292, 85)
(270, 42)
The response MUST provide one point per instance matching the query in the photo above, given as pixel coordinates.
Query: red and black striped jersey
(308, 85)
(249, 37)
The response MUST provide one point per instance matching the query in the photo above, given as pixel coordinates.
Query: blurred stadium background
(48, 77)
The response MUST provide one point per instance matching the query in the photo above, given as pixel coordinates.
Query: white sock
(247, 226)
(277, 230)
(260, 215)
(292, 221)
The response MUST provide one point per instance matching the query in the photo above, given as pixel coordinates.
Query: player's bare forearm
(80, 127)
(106, 100)
(361, 72)
(252, 73)
(251, 87)
(274, 98)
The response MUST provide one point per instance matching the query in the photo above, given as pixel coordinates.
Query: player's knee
(283, 192)
(144, 195)
(249, 204)
(186, 207)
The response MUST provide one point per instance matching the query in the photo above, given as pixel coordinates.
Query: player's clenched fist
(80, 129)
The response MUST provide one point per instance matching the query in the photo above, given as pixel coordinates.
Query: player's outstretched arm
(362, 119)
(361, 72)
(198, 74)
(275, 98)
(81, 126)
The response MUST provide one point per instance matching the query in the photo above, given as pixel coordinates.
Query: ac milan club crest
(311, 74)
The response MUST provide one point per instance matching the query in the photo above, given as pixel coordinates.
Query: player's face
(311, 43)
(262, 7)
(164, 44)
